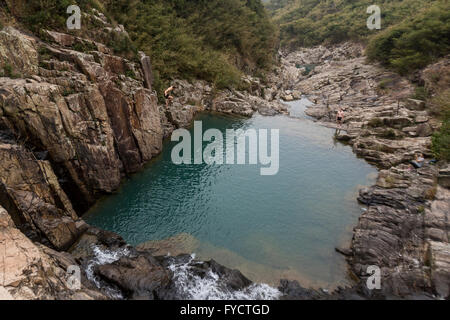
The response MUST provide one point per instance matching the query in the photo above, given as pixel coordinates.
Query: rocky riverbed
(74, 123)
(404, 230)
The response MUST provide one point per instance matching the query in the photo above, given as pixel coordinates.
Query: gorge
(80, 122)
(229, 212)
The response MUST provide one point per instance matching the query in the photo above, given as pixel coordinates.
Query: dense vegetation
(414, 32)
(441, 139)
(414, 43)
(214, 40)
(208, 39)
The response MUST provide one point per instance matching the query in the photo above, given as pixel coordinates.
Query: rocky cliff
(404, 229)
(75, 119)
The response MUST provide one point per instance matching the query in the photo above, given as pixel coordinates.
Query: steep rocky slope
(73, 123)
(405, 228)
(75, 119)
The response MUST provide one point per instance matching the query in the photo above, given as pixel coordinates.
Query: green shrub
(420, 93)
(430, 193)
(313, 22)
(48, 14)
(84, 46)
(122, 45)
(441, 141)
(68, 92)
(388, 134)
(44, 53)
(375, 122)
(413, 32)
(384, 85)
(416, 42)
(211, 40)
(441, 138)
(8, 72)
(130, 74)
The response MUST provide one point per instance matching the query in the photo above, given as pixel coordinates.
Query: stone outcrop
(74, 120)
(31, 192)
(191, 98)
(96, 123)
(29, 271)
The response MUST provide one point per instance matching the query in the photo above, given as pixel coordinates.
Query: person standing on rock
(340, 118)
(167, 95)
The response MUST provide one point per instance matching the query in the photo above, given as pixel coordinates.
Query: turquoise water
(269, 227)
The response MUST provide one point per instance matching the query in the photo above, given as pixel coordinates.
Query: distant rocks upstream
(404, 230)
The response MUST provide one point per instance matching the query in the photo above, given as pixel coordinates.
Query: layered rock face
(72, 128)
(191, 98)
(75, 118)
(404, 230)
(32, 194)
(96, 123)
(72, 125)
(33, 271)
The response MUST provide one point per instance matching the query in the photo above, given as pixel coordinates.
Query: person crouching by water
(167, 95)
(418, 161)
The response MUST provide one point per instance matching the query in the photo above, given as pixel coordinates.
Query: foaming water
(269, 227)
(211, 287)
(101, 257)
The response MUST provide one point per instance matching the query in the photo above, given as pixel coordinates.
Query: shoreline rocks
(404, 231)
(71, 129)
(80, 121)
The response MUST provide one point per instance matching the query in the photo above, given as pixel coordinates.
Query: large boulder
(30, 271)
(90, 111)
(138, 277)
(30, 190)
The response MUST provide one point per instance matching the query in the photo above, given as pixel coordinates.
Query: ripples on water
(269, 227)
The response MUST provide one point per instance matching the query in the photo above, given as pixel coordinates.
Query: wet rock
(292, 290)
(138, 277)
(344, 251)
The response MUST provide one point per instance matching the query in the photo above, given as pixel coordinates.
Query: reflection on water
(269, 227)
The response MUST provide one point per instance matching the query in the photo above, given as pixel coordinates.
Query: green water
(269, 227)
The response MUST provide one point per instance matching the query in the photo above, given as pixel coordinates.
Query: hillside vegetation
(213, 40)
(413, 32)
